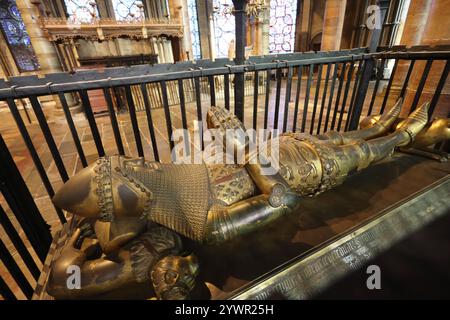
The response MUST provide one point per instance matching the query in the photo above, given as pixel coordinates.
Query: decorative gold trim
(104, 189)
(106, 29)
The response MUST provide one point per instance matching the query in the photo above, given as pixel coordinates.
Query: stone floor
(63, 139)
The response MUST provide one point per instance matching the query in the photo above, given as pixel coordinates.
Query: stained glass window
(223, 26)
(81, 10)
(128, 10)
(17, 37)
(282, 25)
(195, 35)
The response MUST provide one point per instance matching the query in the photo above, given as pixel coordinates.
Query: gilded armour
(216, 203)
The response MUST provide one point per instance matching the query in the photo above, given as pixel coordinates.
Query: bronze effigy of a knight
(136, 212)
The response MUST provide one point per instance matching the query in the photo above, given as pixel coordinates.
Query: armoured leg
(333, 165)
(361, 154)
(311, 167)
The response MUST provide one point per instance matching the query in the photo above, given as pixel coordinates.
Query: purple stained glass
(17, 37)
(282, 25)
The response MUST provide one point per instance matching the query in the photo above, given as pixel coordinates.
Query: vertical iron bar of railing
(48, 136)
(279, 74)
(344, 99)
(351, 108)
(388, 88)
(183, 116)
(212, 90)
(92, 124)
(15, 271)
(287, 98)
(34, 155)
(421, 85)
(113, 118)
(151, 129)
(362, 87)
(5, 291)
(198, 100)
(408, 75)
(266, 100)
(18, 244)
(21, 202)
(117, 98)
(308, 89)
(338, 98)
(134, 121)
(240, 18)
(73, 130)
(297, 97)
(439, 88)
(316, 98)
(167, 113)
(255, 99)
(324, 96)
(378, 75)
(28, 215)
(330, 100)
(226, 83)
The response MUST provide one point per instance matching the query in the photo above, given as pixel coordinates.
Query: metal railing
(308, 92)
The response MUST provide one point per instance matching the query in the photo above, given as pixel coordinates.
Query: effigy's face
(173, 277)
(104, 188)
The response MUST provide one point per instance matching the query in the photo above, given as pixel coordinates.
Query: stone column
(186, 44)
(176, 13)
(168, 51)
(302, 26)
(43, 48)
(8, 67)
(333, 23)
(159, 42)
(204, 11)
(413, 28)
(258, 31)
(259, 36)
(436, 31)
(264, 28)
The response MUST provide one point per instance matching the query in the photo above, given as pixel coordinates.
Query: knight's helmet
(115, 187)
